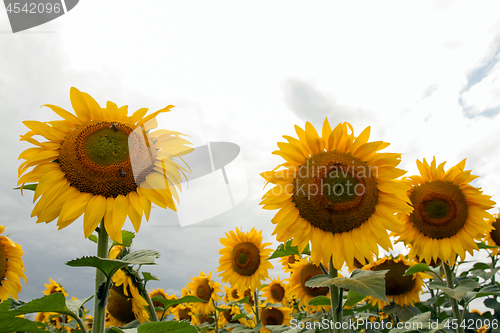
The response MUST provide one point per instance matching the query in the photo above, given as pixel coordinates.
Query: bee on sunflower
(102, 163)
(336, 191)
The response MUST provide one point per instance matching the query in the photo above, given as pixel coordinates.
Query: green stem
(216, 317)
(80, 323)
(454, 304)
(256, 303)
(100, 280)
(151, 307)
(334, 297)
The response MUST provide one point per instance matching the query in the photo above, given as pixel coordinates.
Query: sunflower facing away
(204, 288)
(448, 213)
(243, 259)
(492, 238)
(101, 163)
(337, 192)
(11, 267)
(403, 290)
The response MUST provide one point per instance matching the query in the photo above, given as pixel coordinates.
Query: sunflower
(402, 289)
(448, 213)
(227, 314)
(231, 294)
(184, 311)
(337, 192)
(286, 261)
(125, 302)
(101, 163)
(54, 287)
(276, 292)
(204, 288)
(302, 271)
(275, 316)
(157, 304)
(243, 259)
(492, 238)
(11, 267)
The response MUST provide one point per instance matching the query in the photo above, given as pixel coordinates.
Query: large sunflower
(302, 271)
(337, 192)
(243, 259)
(11, 267)
(101, 163)
(205, 289)
(448, 213)
(402, 289)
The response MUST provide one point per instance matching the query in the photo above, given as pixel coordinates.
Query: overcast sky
(424, 75)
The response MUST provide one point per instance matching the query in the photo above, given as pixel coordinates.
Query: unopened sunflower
(276, 292)
(302, 271)
(275, 316)
(243, 259)
(11, 267)
(86, 167)
(492, 238)
(337, 192)
(205, 289)
(402, 289)
(449, 213)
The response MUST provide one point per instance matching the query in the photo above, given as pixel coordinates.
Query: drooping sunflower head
(276, 292)
(125, 303)
(302, 271)
(275, 316)
(102, 163)
(243, 259)
(448, 214)
(337, 192)
(54, 287)
(402, 289)
(11, 267)
(492, 237)
(205, 289)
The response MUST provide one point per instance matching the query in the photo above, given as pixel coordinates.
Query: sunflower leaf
(287, 249)
(422, 322)
(148, 277)
(93, 238)
(422, 267)
(320, 300)
(30, 187)
(75, 305)
(127, 238)
(166, 326)
(141, 257)
(484, 246)
(13, 324)
(245, 300)
(353, 298)
(55, 302)
(171, 302)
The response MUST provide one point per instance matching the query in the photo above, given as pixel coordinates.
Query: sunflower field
(340, 203)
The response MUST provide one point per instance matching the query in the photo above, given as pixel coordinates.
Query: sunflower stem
(256, 303)
(216, 317)
(151, 307)
(335, 299)
(100, 280)
(454, 305)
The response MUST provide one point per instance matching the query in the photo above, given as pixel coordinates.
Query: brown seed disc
(307, 272)
(272, 316)
(277, 292)
(203, 290)
(245, 258)
(494, 234)
(396, 283)
(119, 305)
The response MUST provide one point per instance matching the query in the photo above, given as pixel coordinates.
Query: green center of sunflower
(95, 159)
(3, 263)
(440, 209)
(245, 258)
(307, 272)
(335, 192)
(272, 316)
(495, 234)
(234, 293)
(396, 282)
(119, 305)
(203, 290)
(277, 292)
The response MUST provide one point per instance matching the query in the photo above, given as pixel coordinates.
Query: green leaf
(110, 266)
(171, 302)
(353, 298)
(245, 300)
(480, 265)
(55, 302)
(287, 249)
(488, 291)
(402, 313)
(464, 287)
(368, 283)
(75, 305)
(127, 238)
(420, 323)
(422, 267)
(13, 324)
(93, 238)
(320, 300)
(166, 326)
(492, 304)
(148, 277)
(30, 187)
(484, 246)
